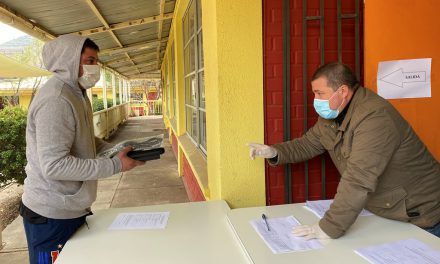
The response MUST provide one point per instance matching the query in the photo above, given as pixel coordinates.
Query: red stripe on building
(191, 185)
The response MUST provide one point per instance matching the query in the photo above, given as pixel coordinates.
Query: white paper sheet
(280, 239)
(151, 220)
(401, 252)
(404, 78)
(321, 206)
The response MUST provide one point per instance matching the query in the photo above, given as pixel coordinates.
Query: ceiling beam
(136, 46)
(141, 70)
(118, 61)
(140, 65)
(126, 24)
(104, 22)
(13, 19)
(150, 75)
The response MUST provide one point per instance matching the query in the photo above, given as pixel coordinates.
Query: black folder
(144, 155)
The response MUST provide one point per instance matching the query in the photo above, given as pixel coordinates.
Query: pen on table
(265, 220)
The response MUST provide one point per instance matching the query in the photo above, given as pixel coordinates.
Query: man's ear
(344, 89)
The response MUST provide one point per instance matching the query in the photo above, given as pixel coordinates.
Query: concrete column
(232, 176)
(124, 87)
(129, 91)
(104, 88)
(114, 88)
(120, 90)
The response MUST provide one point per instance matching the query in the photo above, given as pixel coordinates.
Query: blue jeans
(46, 240)
(435, 230)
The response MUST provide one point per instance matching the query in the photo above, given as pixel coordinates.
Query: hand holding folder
(144, 155)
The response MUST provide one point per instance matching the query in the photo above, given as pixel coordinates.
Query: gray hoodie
(62, 168)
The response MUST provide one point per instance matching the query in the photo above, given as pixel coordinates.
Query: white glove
(261, 150)
(309, 232)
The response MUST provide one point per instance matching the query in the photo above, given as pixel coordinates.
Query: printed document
(402, 252)
(321, 206)
(130, 221)
(279, 237)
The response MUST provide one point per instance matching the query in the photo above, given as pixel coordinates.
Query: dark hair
(337, 74)
(88, 43)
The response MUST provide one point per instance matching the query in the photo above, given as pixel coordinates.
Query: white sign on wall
(404, 78)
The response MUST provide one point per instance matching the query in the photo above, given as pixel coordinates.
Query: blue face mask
(322, 107)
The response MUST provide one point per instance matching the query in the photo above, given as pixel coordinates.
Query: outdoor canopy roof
(132, 34)
(10, 68)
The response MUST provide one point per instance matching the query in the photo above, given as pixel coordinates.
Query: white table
(196, 233)
(366, 231)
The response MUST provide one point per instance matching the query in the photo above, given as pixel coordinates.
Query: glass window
(203, 130)
(191, 56)
(199, 15)
(185, 30)
(191, 91)
(200, 44)
(194, 75)
(191, 18)
(173, 79)
(167, 87)
(186, 60)
(191, 122)
(202, 89)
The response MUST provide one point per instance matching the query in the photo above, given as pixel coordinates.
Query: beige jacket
(384, 166)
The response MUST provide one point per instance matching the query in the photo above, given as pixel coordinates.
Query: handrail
(106, 121)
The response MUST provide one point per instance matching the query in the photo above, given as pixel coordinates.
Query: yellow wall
(167, 96)
(24, 96)
(232, 36)
(232, 39)
(176, 37)
(407, 29)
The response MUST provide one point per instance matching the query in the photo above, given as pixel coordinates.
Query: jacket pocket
(346, 144)
(389, 204)
(83, 198)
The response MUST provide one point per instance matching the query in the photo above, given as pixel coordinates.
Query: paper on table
(321, 206)
(129, 221)
(280, 239)
(402, 252)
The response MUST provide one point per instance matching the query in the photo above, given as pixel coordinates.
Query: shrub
(98, 104)
(12, 145)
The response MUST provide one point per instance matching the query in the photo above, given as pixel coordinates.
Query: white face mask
(91, 75)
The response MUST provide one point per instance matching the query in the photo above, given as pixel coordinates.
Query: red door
(330, 30)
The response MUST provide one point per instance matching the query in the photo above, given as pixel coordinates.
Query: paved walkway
(156, 182)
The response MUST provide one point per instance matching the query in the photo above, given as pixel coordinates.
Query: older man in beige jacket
(384, 166)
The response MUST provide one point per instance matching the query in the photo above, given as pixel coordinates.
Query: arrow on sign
(399, 77)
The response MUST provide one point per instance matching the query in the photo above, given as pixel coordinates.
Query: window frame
(173, 79)
(192, 42)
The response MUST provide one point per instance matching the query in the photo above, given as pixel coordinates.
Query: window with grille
(173, 79)
(194, 75)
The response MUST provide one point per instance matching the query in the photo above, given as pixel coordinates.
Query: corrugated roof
(132, 34)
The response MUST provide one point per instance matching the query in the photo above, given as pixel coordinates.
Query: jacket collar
(358, 94)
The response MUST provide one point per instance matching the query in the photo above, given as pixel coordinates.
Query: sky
(7, 33)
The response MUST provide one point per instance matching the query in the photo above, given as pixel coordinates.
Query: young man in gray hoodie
(62, 169)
